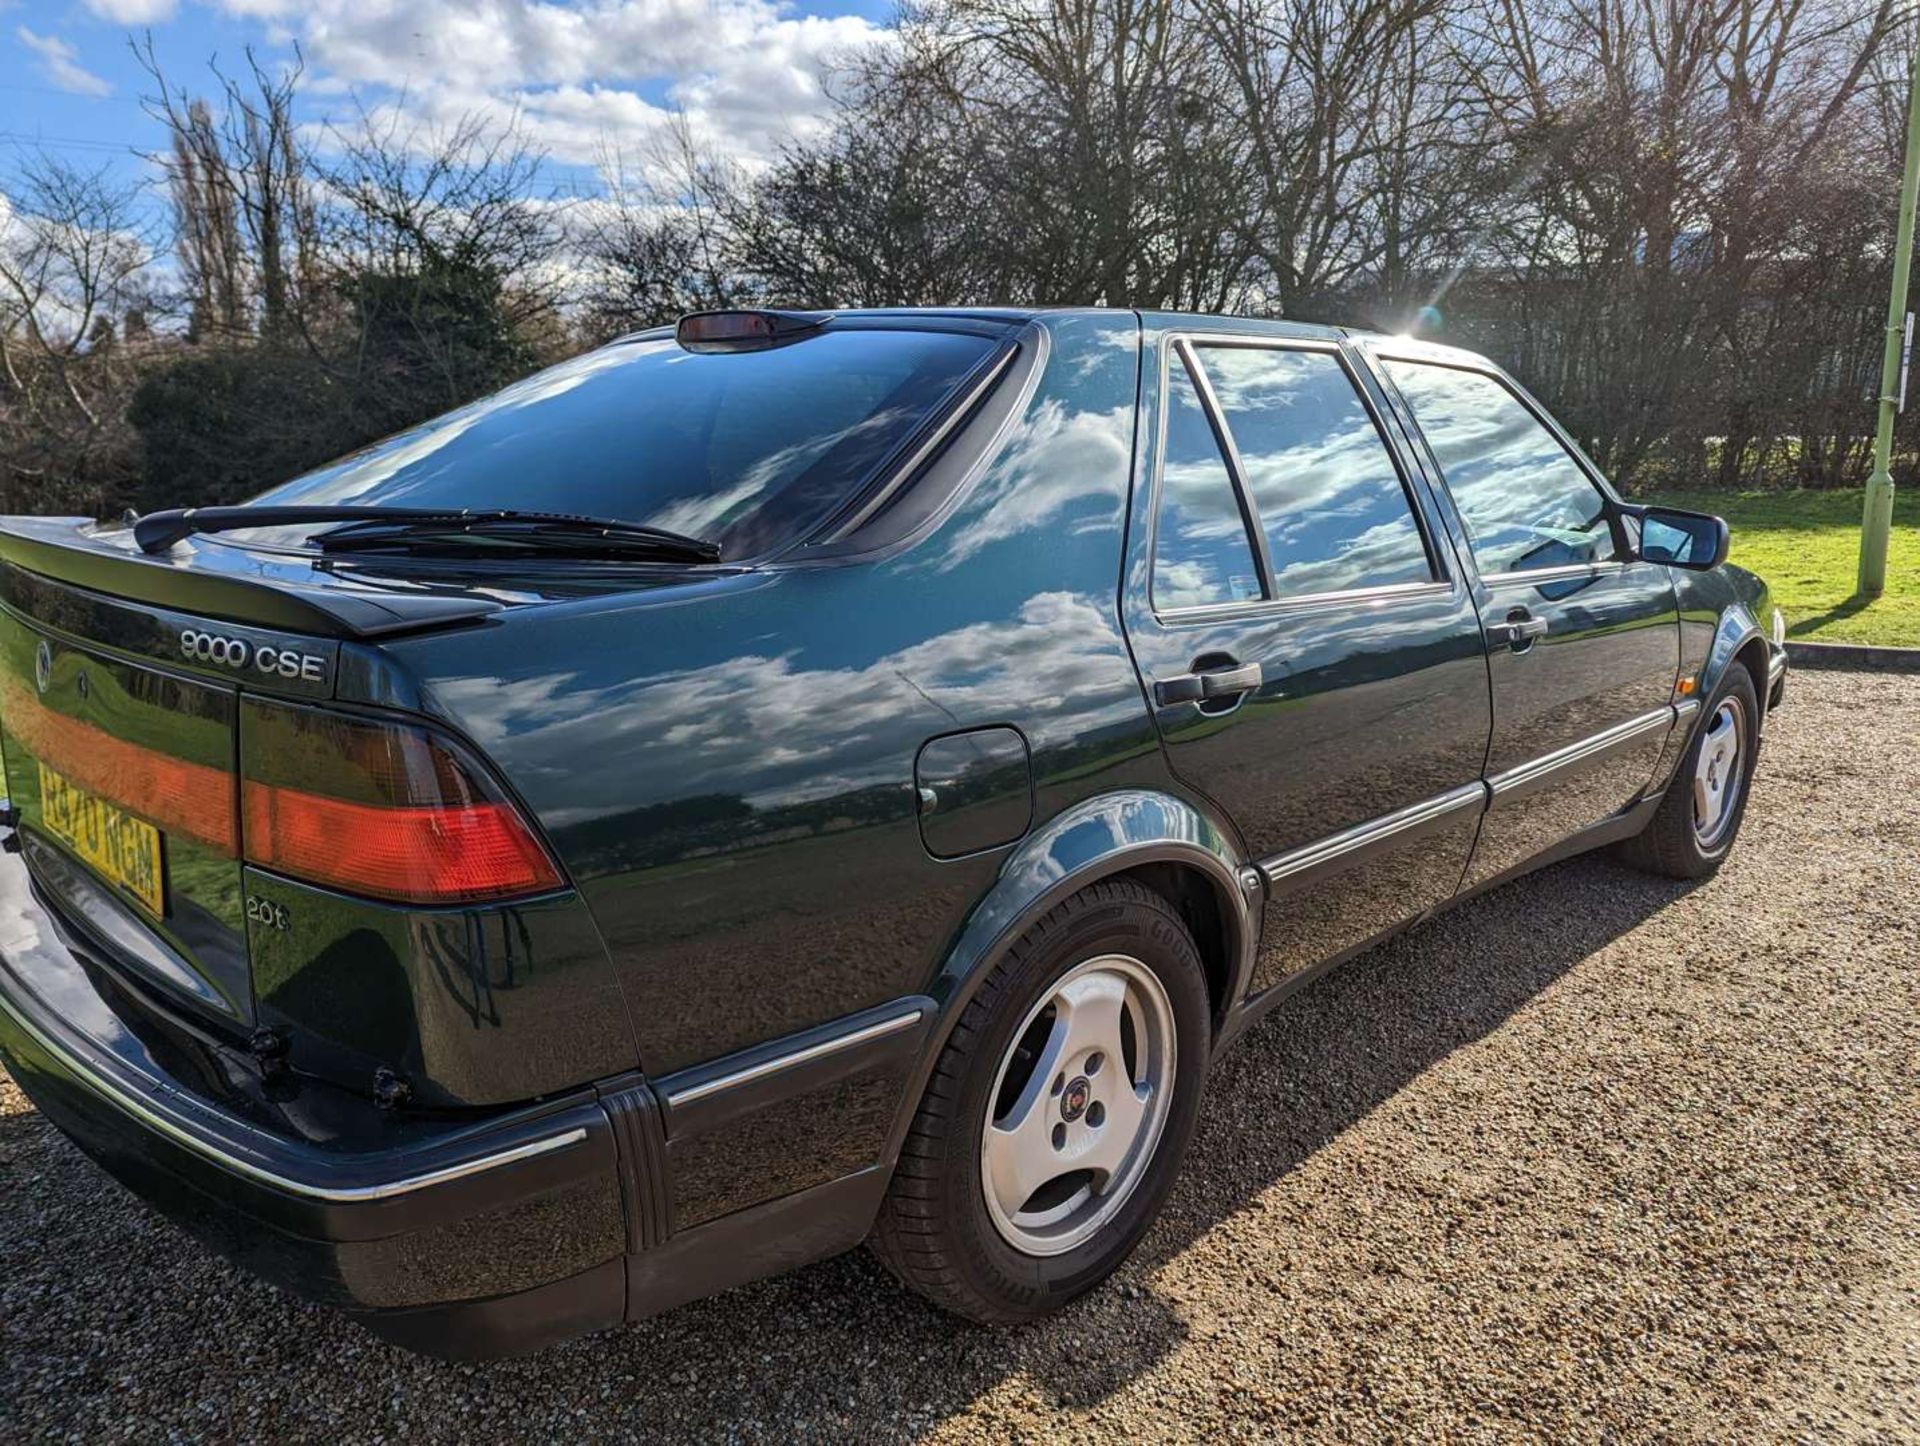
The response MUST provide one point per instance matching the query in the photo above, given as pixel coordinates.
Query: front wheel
(1693, 831)
(1057, 1114)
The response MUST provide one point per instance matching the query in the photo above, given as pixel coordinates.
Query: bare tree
(447, 252)
(662, 240)
(242, 194)
(1669, 218)
(1345, 117)
(74, 258)
(409, 195)
(1666, 161)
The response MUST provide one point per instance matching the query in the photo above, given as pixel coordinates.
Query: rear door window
(1324, 486)
(1527, 504)
(749, 449)
(1202, 556)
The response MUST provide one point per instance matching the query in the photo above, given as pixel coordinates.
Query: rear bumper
(485, 1236)
(478, 1237)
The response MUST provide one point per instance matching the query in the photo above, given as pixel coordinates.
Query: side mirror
(1695, 540)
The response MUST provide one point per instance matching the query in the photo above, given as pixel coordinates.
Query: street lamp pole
(1877, 518)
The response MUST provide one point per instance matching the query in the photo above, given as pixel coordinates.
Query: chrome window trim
(902, 471)
(1169, 351)
(155, 1119)
(1392, 592)
(1606, 566)
(1280, 867)
(1361, 835)
(1524, 775)
(1236, 473)
(1256, 341)
(1445, 580)
(747, 1074)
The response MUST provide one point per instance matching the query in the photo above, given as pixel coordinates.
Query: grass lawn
(1807, 545)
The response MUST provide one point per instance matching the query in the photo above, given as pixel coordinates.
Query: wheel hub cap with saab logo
(1073, 1099)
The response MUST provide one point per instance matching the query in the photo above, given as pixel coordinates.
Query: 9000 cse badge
(236, 653)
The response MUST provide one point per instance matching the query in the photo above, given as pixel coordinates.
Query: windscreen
(747, 449)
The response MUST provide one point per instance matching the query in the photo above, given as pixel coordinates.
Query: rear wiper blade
(548, 532)
(157, 531)
(371, 527)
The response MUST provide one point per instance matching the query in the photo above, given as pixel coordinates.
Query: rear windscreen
(747, 449)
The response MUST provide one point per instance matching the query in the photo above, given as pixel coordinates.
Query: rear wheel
(1693, 831)
(1057, 1114)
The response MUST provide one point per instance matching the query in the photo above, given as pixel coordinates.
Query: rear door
(1584, 640)
(1312, 653)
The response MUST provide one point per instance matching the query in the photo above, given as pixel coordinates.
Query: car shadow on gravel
(1352, 1039)
(829, 1350)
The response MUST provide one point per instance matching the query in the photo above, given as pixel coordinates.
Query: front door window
(1526, 503)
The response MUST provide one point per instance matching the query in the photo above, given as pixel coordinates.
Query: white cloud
(746, 76)
(132, 12)
(60, 64)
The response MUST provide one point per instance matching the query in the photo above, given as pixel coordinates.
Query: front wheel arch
(1752, 655)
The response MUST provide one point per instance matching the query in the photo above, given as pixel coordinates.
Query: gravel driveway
(1596, 1154)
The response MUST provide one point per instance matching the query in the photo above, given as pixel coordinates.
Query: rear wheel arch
(1152, 838)
(1200, 899)
(960, 1223)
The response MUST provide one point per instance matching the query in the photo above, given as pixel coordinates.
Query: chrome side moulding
(1409, 820)
(206, 1149)
(1418, 817)
(1533, 773)
(761, 1069)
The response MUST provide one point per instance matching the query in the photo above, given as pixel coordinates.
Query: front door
(1311, 649)
(1583, 638)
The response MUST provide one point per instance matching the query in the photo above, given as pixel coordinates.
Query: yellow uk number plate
(123, 849)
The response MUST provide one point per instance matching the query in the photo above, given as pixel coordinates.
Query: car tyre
(1692, 833)
(1030, 1069)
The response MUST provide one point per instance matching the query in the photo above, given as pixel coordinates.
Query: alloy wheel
(1720, 772)
(1078, 1105)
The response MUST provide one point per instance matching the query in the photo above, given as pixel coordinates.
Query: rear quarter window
(748, 449)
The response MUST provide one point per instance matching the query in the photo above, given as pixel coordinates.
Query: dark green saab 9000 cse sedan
(798, 778)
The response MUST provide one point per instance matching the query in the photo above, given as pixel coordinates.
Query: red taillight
(421, 855)
(384, 809)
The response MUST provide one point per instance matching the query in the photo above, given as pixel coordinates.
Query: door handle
(1209, 685)
(1522, 628)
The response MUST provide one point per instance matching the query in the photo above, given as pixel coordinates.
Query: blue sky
(746, 74)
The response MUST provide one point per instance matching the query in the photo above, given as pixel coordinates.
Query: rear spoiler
(227, 583)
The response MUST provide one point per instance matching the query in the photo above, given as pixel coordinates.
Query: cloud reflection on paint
(812, 732)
